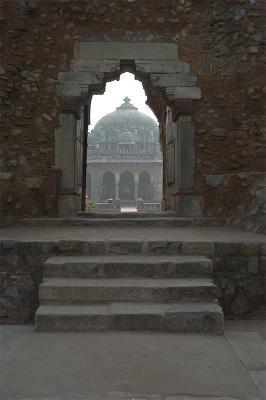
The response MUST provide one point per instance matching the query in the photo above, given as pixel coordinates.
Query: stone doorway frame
(170, 90)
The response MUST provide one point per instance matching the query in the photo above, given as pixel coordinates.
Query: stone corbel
(181, 107)
(71, 106)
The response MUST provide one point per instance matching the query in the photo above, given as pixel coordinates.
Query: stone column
(69, 201)
(187, 202)
(117, 179)
(136, 186)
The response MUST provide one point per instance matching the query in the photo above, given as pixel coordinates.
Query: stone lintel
(70, 91)
(128, 51)
(181, 107)
(95, 66)
(170, 80)
(193, 93)
(162, 66)
(83, 78)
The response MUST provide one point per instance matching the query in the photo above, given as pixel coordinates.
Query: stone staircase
(131, 291)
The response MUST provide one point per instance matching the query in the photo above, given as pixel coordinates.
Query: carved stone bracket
(181, 107)
(71, 105)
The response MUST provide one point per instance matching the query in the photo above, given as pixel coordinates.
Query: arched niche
(126, 186)
(108, 186)
(145, 187)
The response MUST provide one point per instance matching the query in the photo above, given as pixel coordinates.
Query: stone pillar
(69, 199)
(187, 202)
(95, 184)
(136, 186)
(117, 179)
(157, 191)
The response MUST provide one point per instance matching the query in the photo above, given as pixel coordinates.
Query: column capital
(70, 106)
(181, 107)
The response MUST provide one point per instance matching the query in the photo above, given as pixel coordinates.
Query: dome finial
(126, 105)
(127, 100)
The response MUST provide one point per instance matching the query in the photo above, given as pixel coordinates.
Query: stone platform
(133, 366)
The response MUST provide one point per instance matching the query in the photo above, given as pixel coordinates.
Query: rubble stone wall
(221, 41)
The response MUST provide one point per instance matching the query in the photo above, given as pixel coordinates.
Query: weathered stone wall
(239, 270)
(221, 41)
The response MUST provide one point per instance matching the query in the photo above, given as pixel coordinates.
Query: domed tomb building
(124, 158)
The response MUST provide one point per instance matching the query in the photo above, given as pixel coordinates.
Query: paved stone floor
(139, 366)
(217, 234)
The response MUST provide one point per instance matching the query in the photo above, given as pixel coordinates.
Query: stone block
(65, 318)
(5, 176)
(261, 194)
(219, 132)
(249, 249)
(214, 180)
(263, 249)
(83, 78)
(96, 247)
(226, 249)
(163, 247)
(128, 51)
(124, 247)
(68, 205)
(161, 66)
(34, 182)
(253, 265)
(71, 90)
(168, 80)
(95, 66)
(189, 206)
(183, 93)
(135, 322)
(69, 247)
(262, 265)
(198, 248)
(208, 319)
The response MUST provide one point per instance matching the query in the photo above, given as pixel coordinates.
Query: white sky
(113, 97)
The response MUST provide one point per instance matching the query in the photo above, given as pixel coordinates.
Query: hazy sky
(113, 97)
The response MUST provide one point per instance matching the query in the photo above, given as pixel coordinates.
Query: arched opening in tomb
(170, 89)
(145, 188)
(108, 186)
(126, 186)
(123, 137)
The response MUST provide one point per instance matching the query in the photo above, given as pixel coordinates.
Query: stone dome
(126, 125)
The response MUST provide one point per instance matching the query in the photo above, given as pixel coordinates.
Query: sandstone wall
(221, 40)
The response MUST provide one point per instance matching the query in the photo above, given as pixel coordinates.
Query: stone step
(127, 267)
(177, 317)
(129, 221)
(87, 291)
(126, 215)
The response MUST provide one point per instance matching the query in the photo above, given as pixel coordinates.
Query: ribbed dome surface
(126, 121)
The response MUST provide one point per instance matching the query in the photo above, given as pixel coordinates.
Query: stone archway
(170, 89)
(126, 186)
(145, 189)
(108, 186)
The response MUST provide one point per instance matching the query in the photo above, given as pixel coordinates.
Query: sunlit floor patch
(129, 209)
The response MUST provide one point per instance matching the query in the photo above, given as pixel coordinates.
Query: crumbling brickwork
(222, 41)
